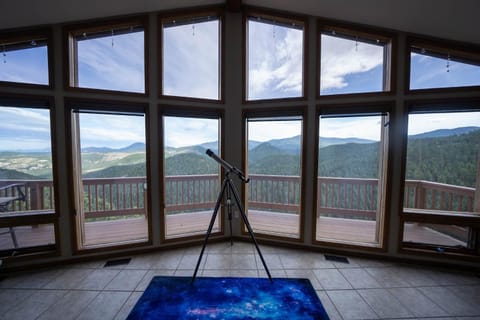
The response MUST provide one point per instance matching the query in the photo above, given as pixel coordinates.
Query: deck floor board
(125, 230)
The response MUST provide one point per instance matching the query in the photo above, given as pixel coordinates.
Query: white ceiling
(449, 19)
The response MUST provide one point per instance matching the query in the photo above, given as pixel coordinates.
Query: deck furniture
(9, 194)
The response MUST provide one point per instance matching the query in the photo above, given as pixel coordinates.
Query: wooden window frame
(435, 216)
(188, 112)
(70, 48)
(193, 15)
(364, 33)
(385, 207)
(43, 251)
(271, 113)
(465, 52)
(26, 35)
(284, 19)
(108, 106)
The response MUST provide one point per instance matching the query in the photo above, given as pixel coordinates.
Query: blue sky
(275, 61)
(349, 66)
(190, 61)
(191, 69)
(112, 63)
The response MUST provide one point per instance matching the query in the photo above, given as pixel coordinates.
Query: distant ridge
(134, 147)
(444, 133)
(290, 145)
(328, 141)
(8, 174)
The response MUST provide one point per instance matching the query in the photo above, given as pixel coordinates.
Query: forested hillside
(447, 156)
(451, 160)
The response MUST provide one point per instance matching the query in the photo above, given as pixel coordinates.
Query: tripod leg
(210, 227)
(229, 210)
(249, 228)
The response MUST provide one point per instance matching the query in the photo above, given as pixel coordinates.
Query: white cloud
(275, 61)
(191, 60)
(268, 130)
(420, 123)
(183, 131)
(114, 131)
(342, 57)
(23, 128)
(351, 127)
(117, 67)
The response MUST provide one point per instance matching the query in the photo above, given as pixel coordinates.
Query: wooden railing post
(35, 197)
(145, 200)
(419, 196)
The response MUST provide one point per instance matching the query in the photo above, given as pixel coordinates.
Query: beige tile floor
(362, 289)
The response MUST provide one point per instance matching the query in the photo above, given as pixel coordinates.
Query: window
(442, 178)
(191, 56)
(109, 175)
(275, 57)
(352, 61)
(108, 57)
(274, 166)
(192, 179)
(27, 192)
(351, 180)
(26, 169)
(24, 59)
(435, 66)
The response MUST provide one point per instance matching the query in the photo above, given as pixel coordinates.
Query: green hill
(7, 174)
(451, 160)
(190, 163)
(351, 160)
(121, 171)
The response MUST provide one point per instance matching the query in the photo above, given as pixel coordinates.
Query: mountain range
(269, 157)
(288, 145)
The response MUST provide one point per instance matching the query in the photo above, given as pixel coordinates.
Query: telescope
(228, 189)
(227, 166)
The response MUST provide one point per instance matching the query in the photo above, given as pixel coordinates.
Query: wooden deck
(287, 225)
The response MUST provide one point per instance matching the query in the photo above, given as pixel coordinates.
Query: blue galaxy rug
(228, 298)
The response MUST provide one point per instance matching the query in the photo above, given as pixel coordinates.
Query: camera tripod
(228, 188)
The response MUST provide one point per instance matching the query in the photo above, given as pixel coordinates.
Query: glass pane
(437, 235)
(275, 61)
(112, 182)
(24, 62)
(191, 60)
(442, 162)
(274, 169)
(113, 62)
(350, 178)
(26, 179)
(350, 66)
(26, 236)
(191, 177)
(427, 71)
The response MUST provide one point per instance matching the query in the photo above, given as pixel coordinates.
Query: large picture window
(109, 175)
(192, 55)
(108, 57)
(351, 180)
(442, 178)
(27, 193)
(352, 61)
(192, 179)
(274, 166)
(275, 57)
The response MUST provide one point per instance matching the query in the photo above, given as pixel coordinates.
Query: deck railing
(345, 197)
